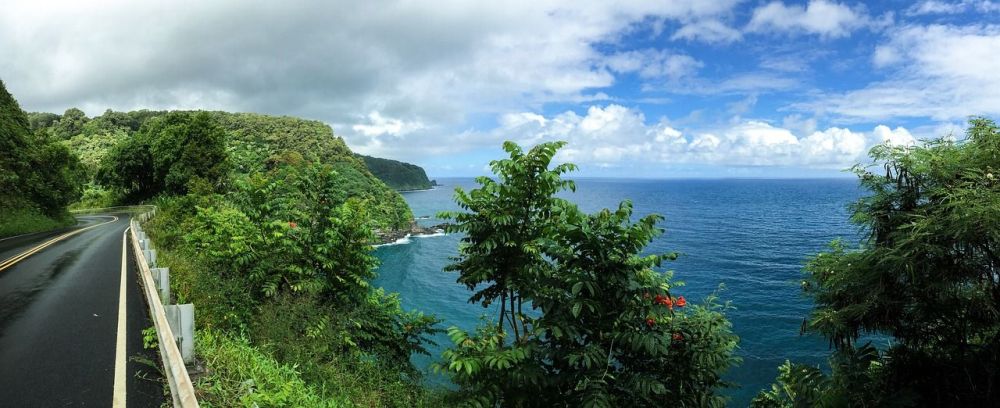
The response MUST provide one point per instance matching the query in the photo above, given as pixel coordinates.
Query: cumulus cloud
(335, 61)
(378, 125)
(820, 17)
(616, 136)
(937, 71)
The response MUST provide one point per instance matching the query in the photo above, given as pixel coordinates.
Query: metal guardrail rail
(181, 387)
(135, 209)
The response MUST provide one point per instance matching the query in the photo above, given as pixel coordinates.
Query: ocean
(749, 236)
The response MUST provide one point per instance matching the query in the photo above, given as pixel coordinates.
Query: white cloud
(378, 125)
(708, 30)
(652, 64)
(617, 136)
(336, 61)
(952, 7)
(941, 72)
(896, 137)
(820, 17)
(741, 84)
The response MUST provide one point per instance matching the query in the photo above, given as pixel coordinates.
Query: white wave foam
(401, 241)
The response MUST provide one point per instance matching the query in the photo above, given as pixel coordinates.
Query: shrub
(605, 328)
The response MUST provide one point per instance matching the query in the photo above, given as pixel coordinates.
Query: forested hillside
(252, 143)
(398, 175)
(38, 178)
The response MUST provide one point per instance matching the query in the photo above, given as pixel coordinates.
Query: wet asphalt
(59, 321)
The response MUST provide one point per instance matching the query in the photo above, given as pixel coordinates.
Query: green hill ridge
(398, 175)
(254, 142)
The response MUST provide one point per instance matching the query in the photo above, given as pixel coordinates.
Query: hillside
(398, 175)
(254, 142)
(38, 178)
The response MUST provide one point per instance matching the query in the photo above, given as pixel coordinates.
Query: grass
(24, 221)
(240, 375)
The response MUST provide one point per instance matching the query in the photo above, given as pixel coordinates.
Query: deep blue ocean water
(753, 236)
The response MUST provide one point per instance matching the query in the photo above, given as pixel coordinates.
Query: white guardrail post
(174, 323)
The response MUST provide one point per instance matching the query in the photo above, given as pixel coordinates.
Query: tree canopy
(927, 277)
(603, 328)
(35, 173)
(398, 175)
(167, 154)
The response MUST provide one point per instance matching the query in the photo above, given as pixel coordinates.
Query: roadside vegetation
(274, 249)
(38, 176)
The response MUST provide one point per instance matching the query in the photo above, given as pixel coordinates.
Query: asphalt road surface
(59, 320)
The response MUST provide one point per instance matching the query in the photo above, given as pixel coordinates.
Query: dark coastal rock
(386, 237)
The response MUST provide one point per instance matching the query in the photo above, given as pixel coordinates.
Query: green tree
(70, 124)
(168, 153)
(926, 276)
(505, 229)
(34, 173)
(14, 143)
(186, 146)
(128, 167)
(42, 120)
(604, 329)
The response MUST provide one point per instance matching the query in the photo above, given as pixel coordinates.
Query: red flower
(292, 224)
(650, 322)
(678, 337)
(664, 300)
(681, 302)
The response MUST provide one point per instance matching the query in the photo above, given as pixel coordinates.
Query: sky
(649, 89)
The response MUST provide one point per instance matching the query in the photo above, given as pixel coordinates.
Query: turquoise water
(751, 235)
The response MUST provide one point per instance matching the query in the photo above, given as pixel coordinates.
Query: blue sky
(654, 89)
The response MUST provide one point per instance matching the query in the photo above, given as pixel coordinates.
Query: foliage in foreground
(927, 276)
(603, 328)
(283, 260)
(239, 375)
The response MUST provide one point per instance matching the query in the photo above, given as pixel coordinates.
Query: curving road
(60, 302)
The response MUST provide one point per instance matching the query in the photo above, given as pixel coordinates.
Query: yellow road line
(17, 258)
(119, 397)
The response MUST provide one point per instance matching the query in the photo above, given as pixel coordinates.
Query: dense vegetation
(398, 175)
(38, 177)
(927, 277)
(278, 266)
(251, 142)
(267, 225)
(603, 329)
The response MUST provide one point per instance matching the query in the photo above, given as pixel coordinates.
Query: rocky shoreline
(388, 237)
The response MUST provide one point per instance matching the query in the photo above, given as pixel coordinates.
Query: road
(60, 333)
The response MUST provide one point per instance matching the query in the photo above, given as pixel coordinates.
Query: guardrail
(181, 388)
(135, 209)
